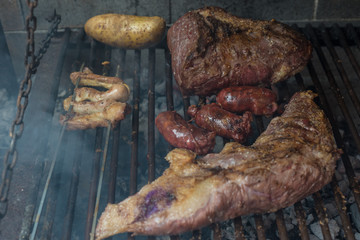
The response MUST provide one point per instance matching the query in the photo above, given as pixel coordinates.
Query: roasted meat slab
(293, 158)
(212, 49)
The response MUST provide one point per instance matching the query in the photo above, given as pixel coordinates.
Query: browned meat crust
(212, 49)
(180, 133)
(112, 113)
(293, 158)
(88, 78)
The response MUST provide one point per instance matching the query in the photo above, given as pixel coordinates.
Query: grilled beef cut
(293, 158)
(212, 49)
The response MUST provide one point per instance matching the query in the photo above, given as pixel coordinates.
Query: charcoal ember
(313, 237)
(333, 227)
(344, 187)
(357, 236)
(309, 219)
(316, 230)
(331, 210)
(355, 215)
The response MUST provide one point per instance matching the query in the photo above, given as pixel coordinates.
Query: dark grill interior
(134, 151)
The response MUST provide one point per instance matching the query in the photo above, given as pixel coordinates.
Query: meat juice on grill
(293, 158)
(212, 49)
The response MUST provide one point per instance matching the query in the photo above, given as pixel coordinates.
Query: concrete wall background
(75, 12)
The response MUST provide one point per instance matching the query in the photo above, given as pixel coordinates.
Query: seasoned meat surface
(212, 49)
(292, 159)
(182, 134)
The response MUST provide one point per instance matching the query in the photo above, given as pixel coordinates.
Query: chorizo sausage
(224, 123)
(258, 100)
(182, 134)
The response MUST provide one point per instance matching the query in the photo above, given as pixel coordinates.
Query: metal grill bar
(94, 181)
(169, 83)
(259, 222)
(216, 231)
(338, 63)
(345, 158)
(338, 198)
(300, 216)
(135, 124)
(96, 162)
(151, 117)
(320, 211)
(280, 222)
(339, 33)
(151, 120)
(52, 192)
(70, 209)
(334, 86)
(341, 206)
(354, 36)
(239, 229)
(116, 140)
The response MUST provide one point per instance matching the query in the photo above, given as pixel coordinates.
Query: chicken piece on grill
(86, 107)
(117, 92)
(112, 113)
(293, 158)
(88, 78)
(212, 49)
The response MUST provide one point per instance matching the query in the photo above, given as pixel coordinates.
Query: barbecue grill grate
(136, 150)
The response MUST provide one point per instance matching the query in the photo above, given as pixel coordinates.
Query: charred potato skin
(126, 31)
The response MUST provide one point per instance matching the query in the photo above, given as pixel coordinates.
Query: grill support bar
(96, 161)
(345, 158)
(151, 117)
(334, 86)
(340, 68)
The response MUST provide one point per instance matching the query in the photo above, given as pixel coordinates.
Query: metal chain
(32, 61)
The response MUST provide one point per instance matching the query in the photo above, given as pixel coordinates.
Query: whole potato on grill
(126, 31)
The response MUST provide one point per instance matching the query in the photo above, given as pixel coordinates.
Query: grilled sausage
(224, 123)
(179, 133)
(260, 101)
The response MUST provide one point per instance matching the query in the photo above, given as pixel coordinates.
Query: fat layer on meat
(293, 158)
